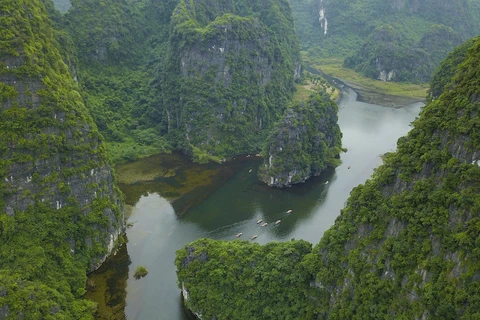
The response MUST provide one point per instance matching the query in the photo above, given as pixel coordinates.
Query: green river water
(172, 202)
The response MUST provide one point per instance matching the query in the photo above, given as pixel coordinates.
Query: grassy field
(313, 84)
(333, 67)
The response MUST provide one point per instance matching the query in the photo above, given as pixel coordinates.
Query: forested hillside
(304, 143)
(229, 74)
(404, 247)
(209, 78)
(396, 40)
(60, 209)
(120, 46)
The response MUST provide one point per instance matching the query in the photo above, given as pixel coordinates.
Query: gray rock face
(223, 55)
(52, 152)
(231, 75)
(304, 143)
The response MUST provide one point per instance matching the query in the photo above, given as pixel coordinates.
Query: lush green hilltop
(304, 143)
(404, 247)
(208, 77)
(60, 210)
(397, 40)
(230, 73)
(119, 46)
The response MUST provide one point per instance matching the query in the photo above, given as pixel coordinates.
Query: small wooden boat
(277, 222)
(264, 224)
(259, 221)
(326, 182)
(254, 237)
(239, 235)
(289, 211)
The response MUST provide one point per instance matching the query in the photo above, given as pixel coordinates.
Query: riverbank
(388, 94)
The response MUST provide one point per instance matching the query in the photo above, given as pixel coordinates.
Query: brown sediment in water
(175, 178)
(107, 286)
(172, 176)
(368, 95)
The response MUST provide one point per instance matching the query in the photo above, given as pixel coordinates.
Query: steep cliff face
(388, 56)
(304, 143)
(406, 244)
(59, 203)
(444, 73)
(425, 31)
(230, 73)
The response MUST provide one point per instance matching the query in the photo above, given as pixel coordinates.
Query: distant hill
(396, 40)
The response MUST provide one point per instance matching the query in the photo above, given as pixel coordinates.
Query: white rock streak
(322, 19)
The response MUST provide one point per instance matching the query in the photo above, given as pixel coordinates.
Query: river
(219, 201)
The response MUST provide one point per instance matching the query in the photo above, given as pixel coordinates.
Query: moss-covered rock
(229, 73)
(303, 144)
(60, 209)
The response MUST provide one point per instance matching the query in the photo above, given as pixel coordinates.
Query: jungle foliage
(404, 247)
(447, 68)
(229, 74)
(43, 117)
(241, 280)
(426, 29)
(304, 142)
(120, 45)
(130, 68)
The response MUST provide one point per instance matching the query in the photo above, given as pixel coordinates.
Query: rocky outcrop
(231, 71)
(406, 244)
(52, 152)
(60, 209)
(304, 143)
(409, 233)
(439, 24)
(386, 56)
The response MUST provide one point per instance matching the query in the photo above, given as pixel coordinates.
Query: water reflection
(220, 201)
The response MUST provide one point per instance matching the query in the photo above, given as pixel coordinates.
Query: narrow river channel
(220, 201)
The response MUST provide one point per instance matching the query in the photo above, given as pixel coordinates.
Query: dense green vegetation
(447, 68)
(151, 73)
(404, 247)
(387, 55)
(303, 143)
(140, 272)
(229, 74)
(240, 280)
(424, 32)
(50, 149)
(120, 46)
